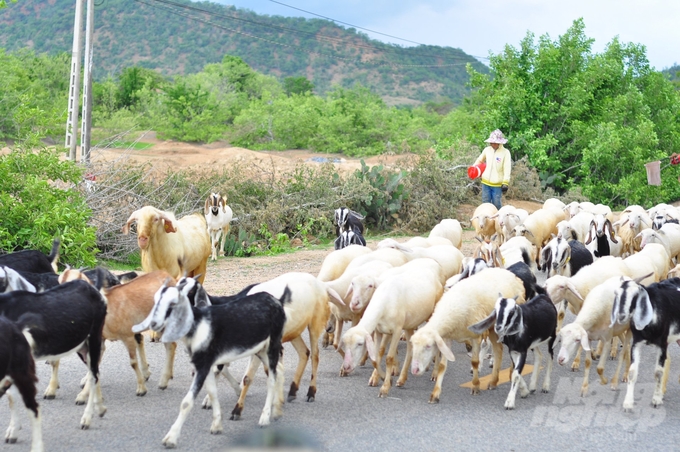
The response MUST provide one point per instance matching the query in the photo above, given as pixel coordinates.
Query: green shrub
(39, 201)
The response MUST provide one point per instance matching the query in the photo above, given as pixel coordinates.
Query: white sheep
(363, 286)
(390, 255)
(180, 247)
(466, 303)
(539, 226)
(424, 242)
(668, 236)
(308, 309)
(482, 221)
(652, 259)
(507, 218)
(335, 263)
(343, 286)
(449, 257)
(574, 289)
(516, 249)
(218, 217)
(449, 229)
(593, 323)
(401, 303)
(551, 203)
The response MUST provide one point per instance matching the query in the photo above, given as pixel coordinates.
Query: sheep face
(363, 288)
(572, 336)
(356, 341)
(424, 346)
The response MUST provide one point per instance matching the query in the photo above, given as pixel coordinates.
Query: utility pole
(87, 87)
(74, 89)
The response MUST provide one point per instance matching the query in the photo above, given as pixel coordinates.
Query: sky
(480, 27)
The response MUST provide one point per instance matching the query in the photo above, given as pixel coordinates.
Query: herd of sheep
(615, 272)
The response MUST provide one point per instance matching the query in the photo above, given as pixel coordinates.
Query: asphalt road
(348, 415)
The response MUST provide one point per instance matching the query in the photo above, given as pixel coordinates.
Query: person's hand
(504, 188)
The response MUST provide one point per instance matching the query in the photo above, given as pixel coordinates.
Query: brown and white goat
(127, 305)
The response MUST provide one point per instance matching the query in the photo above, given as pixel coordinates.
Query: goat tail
(54, 254)
(286, 297)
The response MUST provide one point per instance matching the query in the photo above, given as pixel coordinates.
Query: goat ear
(133, 217)
(201, 298)
(643, 312)
(480, 327)
(370, 347)
(608, 225)
(444, 349)
(516, 323)
(179, 322)
(207, 205)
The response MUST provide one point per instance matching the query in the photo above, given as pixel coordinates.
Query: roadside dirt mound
(168, 154)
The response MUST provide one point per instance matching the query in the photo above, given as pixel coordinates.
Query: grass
(135, 145)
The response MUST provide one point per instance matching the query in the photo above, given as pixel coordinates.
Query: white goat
(218, 216)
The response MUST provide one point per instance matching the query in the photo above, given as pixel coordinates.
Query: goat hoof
(310, 398)
(10, 440)
(141, 393)
(102, 412)
(532, 391)
(80, 402)
(291, 398)
(545, 391)
(48, 397)
(84, 426)
(163, 388)
(235, 417)
(434, 400)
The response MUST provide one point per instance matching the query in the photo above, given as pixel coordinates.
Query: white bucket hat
(496, 137)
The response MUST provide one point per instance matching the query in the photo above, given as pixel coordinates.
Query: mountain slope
(180, 37)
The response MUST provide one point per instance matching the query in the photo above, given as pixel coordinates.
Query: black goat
(523, 327)
(59, 321)
(10, 280)
(218, 334)
(17, 375)
(32, 260)
(654, 316)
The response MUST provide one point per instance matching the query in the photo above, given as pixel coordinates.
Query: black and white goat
(523, 327)
(58, 322)
(33, 260)
(17, 375)
(349, 237)
(601, 235)
(11, 279)
(219, 334)
(348, 220)
(654, 316)
(564, 257)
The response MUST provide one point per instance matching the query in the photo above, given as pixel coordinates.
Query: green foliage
(582, 119)
(131, 81)
(38, 202)
(385, 200)
(297, 85)
(33, 94)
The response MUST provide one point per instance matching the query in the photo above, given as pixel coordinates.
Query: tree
(581, 118)
(297, 85)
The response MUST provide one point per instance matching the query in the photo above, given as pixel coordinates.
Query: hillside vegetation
(581, 125)
(179, 37)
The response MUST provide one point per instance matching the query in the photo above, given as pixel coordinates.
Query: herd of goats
(615, 272)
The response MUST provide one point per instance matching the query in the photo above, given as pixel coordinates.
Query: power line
(188, 16)
(356, 26)
(312, 34)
